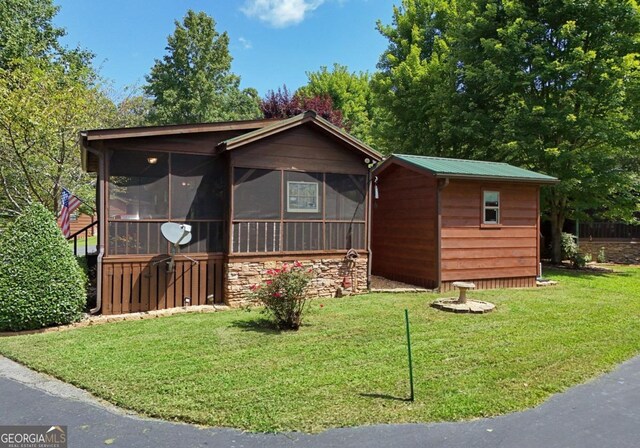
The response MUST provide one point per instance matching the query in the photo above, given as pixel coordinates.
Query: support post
(406, 319)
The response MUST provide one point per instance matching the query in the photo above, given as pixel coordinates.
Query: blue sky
(273, 42)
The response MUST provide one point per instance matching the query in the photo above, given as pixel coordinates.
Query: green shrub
(569, 246)
(41, 284)
(580, 261)
(602, 256)
(283, 295)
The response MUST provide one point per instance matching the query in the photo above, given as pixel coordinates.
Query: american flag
(69, 204)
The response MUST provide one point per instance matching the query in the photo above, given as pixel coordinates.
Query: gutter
(369, 226)
(101, 227)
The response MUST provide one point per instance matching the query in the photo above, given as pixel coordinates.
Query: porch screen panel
(345, 235)
(345, 197)
(198, 187)
(302, 236)
(138, 185)
(135, 238)
(147, 189)
(207, 236)
(256, 194)
(256, 237)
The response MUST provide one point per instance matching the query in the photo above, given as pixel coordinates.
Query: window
(302, 197)
(491, 207)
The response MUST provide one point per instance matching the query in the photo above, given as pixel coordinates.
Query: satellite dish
(176, 234)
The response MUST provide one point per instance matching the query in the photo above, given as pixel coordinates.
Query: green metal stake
(406, 319)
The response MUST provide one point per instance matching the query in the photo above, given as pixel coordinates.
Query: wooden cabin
(256, 193)
(437, 220)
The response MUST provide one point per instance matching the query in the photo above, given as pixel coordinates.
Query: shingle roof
(444, 167)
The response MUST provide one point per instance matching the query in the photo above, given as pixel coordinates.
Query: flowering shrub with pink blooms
(283, 294)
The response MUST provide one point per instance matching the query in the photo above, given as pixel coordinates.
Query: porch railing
(83, 235)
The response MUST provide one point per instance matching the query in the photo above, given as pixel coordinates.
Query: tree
(349, 92)
(47, 93)
(27, 30)
(550, 86)
(416, 80)
(281, 104)
(42, 108)
(193, 82)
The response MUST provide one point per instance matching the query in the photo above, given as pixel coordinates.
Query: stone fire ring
(470, 306)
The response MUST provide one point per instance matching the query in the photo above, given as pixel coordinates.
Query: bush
(569, 247)
(602, 256)
(41, 284)
(580, 261)
(283, 295)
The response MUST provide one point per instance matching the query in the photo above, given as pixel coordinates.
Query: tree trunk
(557, 223)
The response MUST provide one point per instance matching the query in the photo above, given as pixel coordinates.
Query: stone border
(471, 306)
(100, 319)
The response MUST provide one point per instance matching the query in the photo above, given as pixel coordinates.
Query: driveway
(602, 413)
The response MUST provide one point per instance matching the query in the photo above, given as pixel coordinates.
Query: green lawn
(347, 366)
(91, 241)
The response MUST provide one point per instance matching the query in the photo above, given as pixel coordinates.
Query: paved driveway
(604, 413)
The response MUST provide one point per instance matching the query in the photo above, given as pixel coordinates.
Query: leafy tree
(27, 30)
(547, 85)
(413, 89)
(350, 94)
(193, 82)
(281, 104)
(47, 93)
(42, 108)
(132, 108)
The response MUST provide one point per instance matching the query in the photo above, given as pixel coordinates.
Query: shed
(439, 220)
(256, 194)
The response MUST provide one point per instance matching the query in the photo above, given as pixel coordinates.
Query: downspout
(101, 227)
(441, 186)
(369, 226)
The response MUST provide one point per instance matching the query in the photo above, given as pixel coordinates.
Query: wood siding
(131, 285)
(300, 149)
(81, 222)
(471, 251)
(496, 283)
(204, 143)
(404, 227)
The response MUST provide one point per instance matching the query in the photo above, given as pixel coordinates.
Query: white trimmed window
(302, 197)
(491, 207)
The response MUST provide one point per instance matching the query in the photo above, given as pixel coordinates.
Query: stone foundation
(328, 276)
(624, 252)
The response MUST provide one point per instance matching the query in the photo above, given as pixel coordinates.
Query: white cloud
(280, 13)
(246, 43)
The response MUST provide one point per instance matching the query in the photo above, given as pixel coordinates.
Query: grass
(91, 241)
(347, 365)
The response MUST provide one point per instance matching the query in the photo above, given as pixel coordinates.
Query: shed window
(302, 197)
(491, 207)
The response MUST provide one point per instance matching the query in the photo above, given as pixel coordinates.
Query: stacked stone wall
(625, 252)
(329, 274)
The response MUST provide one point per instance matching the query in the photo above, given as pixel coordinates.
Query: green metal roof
(444, 167)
